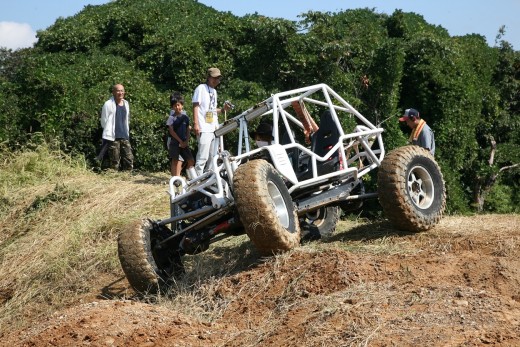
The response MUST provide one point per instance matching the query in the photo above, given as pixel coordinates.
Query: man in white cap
(422, 134)
(205, 117)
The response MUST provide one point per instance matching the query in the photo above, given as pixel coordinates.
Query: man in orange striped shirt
(422, 134)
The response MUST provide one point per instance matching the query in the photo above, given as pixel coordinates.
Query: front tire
(411, 189)
(265, 208)
(148, 266)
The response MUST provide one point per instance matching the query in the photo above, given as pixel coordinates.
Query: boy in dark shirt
(179, 130)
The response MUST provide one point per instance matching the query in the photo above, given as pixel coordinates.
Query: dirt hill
(370, 285)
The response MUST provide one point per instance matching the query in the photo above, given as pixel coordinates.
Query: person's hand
(183, 144)
(228, 105)
(196, 130)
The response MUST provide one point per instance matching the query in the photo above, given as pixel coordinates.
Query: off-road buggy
(290, 190)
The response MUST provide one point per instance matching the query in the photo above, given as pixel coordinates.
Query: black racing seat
(322, 141)
(326, 137)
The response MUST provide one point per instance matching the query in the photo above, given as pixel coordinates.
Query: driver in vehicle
(263, 135)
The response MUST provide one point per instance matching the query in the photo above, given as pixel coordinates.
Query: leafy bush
(466, 90)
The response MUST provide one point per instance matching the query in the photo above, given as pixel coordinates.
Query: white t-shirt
(206, 97)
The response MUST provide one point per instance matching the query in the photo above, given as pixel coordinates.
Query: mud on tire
(147, 267)
(265, 208)
(411, 189)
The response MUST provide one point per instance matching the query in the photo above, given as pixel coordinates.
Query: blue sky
(20, 19)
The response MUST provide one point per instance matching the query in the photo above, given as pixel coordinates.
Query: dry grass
(195, 294)
(60, 222)
(59, 225)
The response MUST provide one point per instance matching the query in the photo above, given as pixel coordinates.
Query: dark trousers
(120, 155)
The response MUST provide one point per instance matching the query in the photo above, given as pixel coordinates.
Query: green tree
(498, 135)
(381, 64)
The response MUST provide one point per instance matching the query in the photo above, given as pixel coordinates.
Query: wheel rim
(278, 204)
(316, 217)
(420, 187)
(160, 254)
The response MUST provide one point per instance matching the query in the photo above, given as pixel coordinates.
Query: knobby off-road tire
(319, 224)
(265, 208)
(411, 189)
(147, 267)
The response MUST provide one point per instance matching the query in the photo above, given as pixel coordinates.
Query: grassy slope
(58, 245)
(59, 223)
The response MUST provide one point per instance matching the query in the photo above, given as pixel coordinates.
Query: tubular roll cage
(356, 155)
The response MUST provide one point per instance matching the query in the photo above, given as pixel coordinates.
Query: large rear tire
(265, 208)
(411, 189)
(148, 267)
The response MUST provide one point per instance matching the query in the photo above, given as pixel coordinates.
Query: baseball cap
(214, 72)
(409, 112)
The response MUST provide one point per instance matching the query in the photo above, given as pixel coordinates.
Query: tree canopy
(466, 90)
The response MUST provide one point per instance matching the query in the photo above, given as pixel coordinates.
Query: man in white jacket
(115, 120)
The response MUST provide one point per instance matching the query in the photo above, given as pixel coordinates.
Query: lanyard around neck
(212, 98)
(415, 132)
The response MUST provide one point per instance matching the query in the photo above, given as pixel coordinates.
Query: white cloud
(16, 35)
